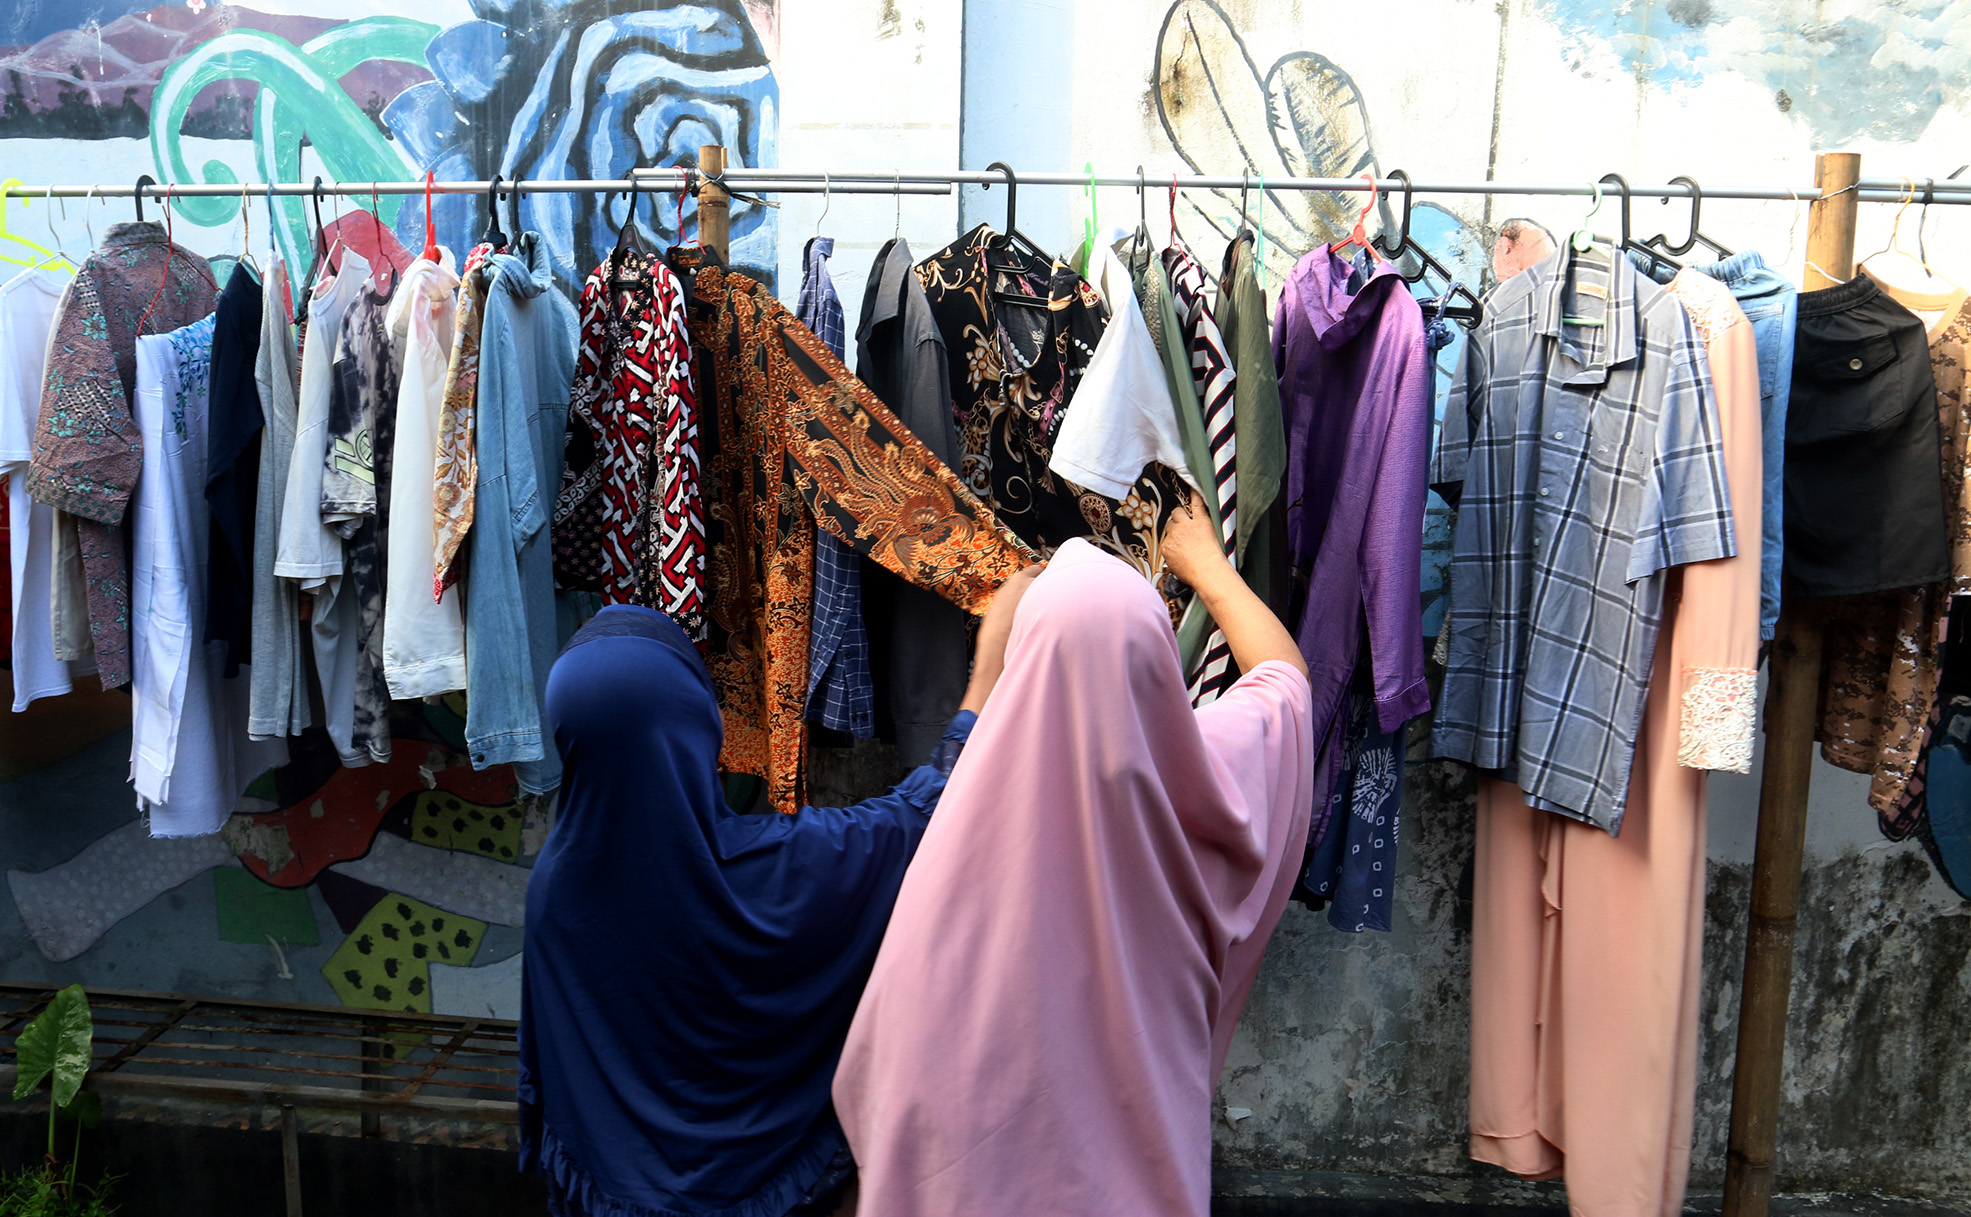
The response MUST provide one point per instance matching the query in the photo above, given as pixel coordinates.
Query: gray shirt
(1583, 462)
(278, 686)
(916, 637)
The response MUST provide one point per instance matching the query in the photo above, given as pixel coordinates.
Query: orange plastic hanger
(1360, 235)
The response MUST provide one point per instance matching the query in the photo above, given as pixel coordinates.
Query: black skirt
(1864, 458)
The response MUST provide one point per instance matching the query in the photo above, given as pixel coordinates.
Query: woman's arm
(990, 658)
(1193, 552)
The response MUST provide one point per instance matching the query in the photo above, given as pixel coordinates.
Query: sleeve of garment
(909, 803)
(1260, 736)
(1686, 511)
(1717, 639)
(1391, 553)
(87, 451)
(876, 487)
(1465, 405)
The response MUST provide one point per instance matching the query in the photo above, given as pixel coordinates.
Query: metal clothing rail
(1940, 191)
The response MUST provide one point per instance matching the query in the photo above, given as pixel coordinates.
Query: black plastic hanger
(1023, 256)
(1662, 240)
(137, 196)
(315, 268)
(628, 241)
(1627, 243)
(1467, 308)
(493, 235)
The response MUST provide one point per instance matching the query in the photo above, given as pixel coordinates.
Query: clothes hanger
(1092, 224)
(431, 252)
(513, 196)
(493, 235)
(1584, 238)
(323, 261)
(1356, 236)
(246, 236)
(55, 236)
(827, 202)
(7, 188)
(897, 233)
(1584, 241)
(137, 195)
(1661, 241)
(376, 218)
(1139, 241)
(1628, 243)
(1024, 258)
(1175, 239)
(1470, 311)
(627, 242)
(1895, 247)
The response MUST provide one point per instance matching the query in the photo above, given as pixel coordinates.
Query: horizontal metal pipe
(784, 181)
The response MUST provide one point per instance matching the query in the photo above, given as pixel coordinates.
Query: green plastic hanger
(1583, 240)
(48, 257)
(1090, 226)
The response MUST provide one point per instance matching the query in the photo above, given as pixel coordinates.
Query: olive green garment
(1160, 312)
(1259, 428)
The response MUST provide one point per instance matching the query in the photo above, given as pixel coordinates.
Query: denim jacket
(527, 366)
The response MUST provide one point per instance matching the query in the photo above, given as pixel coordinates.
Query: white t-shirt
(423, 639)
(310, 552)
(27, 316)
(1121, 418)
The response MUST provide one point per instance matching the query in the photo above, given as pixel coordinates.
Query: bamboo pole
(714, 204)
(1791, 701)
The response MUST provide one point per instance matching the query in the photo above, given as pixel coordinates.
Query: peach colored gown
(1586, 947)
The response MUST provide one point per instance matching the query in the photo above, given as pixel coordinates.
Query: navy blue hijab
(690, 972)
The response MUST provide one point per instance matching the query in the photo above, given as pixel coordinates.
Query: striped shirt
(1583, 463)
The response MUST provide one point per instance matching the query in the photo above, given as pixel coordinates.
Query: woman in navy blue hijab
(690, 972)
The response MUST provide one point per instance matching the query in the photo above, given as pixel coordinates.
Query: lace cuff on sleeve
(1717, 719)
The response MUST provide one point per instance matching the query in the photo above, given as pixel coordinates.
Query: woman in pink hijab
(1055, 994)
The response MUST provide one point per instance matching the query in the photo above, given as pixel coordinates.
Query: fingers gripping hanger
(1470, 311)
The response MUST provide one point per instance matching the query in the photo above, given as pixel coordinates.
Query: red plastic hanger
(1359, 235)
(430, 230)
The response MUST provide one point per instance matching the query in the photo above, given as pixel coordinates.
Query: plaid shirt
(841, 686)
(1583, 464)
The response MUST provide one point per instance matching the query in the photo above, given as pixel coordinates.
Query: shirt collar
(1619, 315)
(884, 297)
(1320, 281)
(130, 233)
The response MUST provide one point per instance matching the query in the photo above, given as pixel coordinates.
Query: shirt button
(1543, 492)
(1855, 364)
(1560, 435)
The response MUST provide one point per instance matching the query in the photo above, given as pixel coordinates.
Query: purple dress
(1355, 387)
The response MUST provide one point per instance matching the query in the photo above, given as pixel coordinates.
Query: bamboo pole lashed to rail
(1793, 681)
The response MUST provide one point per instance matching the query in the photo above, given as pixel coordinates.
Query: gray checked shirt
(1584, 462)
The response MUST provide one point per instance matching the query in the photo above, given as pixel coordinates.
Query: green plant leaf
(56, 1042)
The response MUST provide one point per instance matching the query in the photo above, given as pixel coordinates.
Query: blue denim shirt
(1769, 303)
(526, 368)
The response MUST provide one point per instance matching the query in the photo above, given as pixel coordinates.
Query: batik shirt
(803, 444)
(1583, 464)
(633, 447)
(362, 428)
(87, 453)
(456, 474)
(1014, 371)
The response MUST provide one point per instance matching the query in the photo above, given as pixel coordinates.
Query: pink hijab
(1074, 941)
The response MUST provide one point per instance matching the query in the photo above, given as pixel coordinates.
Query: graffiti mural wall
(398, 886)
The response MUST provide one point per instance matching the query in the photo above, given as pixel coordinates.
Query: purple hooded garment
(1355, 388)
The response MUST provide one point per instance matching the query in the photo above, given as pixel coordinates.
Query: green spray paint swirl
(299, 95)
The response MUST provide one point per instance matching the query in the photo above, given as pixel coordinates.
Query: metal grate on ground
(371, 1062)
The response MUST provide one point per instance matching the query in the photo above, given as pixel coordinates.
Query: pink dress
(1073, 943)
(1586, 947)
